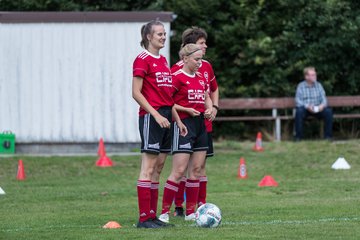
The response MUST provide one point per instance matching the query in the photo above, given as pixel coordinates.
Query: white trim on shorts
(176, 138)
(146, 130)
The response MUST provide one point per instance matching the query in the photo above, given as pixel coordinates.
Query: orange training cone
(112, 224)
(258, 144)
(101, 149)
(242, 172)
(20, 171)
(103, 161)
(268, 181)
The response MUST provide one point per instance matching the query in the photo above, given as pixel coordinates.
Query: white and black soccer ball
(208, 215)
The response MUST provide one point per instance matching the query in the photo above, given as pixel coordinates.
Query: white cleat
(164, 217)
(190, 217)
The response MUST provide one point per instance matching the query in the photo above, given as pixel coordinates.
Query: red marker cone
(20, 171)
(268, 181)
(242, 172)
(258, 144)
(103, 161)
(101, 149)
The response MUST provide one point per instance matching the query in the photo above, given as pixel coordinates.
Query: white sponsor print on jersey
(163, 79)
(154, 146)
(196, 95)
(187, 82)
(154, 65)
(185, 146)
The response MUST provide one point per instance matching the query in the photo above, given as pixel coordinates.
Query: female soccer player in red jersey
(199, 36)
(188, 151)
(152, 90)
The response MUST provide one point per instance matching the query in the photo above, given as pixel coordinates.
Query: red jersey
(207, 72)
(189, 91)
(157, 82)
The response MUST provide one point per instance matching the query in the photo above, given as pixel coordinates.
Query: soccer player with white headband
(199, 36)
(189, 152)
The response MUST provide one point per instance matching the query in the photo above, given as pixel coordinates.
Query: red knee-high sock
(144, 196)
(192, 194)
(170, 190)
(202, 190)
(179, 197)
(154, 199)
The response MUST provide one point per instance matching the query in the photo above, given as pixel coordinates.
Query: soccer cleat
(190, 217)
(147, 224)
(179, 212)
(161, 223)
(164, 217)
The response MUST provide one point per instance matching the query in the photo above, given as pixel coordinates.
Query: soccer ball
(208, 215)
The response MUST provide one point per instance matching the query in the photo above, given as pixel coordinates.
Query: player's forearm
(208, 102)
(139, 97)
(175, 114)
(215, 97)
(180, 108)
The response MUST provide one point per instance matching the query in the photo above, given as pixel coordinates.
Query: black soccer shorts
(155, 139)
(195, 140)
(210, 151)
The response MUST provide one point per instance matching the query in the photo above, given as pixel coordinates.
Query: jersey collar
(154, 56)
(189, 75)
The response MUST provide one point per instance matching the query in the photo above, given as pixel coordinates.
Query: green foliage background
(258, 47)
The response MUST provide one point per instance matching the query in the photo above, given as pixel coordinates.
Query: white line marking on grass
(226, 223)
(293, 222)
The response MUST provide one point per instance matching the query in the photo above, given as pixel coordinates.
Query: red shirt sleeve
(212, 78)
(177, 66)
(140, 68)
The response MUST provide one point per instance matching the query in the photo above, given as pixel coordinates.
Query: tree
(257, 48)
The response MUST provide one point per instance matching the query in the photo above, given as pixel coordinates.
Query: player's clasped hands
(208, 114)
(192, 112)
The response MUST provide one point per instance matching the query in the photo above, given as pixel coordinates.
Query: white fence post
(277, 132)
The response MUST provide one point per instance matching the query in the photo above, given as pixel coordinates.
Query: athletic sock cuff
(144, 183)
(192, 183)
(172, 185)
(203, 179)
(155, 185)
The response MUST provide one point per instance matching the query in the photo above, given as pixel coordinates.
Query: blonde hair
(188, 49)
(307, 69)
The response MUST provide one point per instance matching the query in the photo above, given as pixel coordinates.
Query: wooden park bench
(276, 104)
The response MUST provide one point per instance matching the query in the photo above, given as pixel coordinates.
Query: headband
(198, 49)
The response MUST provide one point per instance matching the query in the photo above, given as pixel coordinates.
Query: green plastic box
(7, 142)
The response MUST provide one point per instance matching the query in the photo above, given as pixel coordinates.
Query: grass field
(70, 198)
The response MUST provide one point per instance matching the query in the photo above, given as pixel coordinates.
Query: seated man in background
(311, 101)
